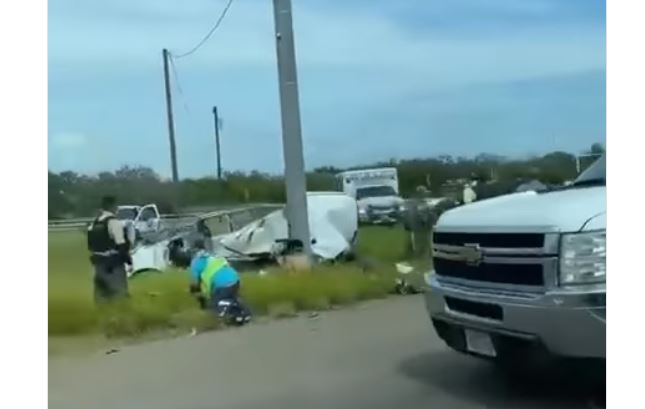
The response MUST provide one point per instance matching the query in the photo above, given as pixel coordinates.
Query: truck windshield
(374, 191)
(596, 174)
(126, 213)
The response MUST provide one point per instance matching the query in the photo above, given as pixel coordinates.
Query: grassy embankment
(161, 301)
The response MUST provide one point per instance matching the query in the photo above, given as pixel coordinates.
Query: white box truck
(376, 191)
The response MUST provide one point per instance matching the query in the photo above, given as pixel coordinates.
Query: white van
(524, 273)
(376, 191)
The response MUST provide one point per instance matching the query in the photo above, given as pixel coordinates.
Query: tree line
(73, 194)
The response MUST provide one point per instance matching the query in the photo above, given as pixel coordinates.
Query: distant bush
(71, 193)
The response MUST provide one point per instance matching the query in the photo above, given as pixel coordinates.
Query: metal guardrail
(167, 219)
(226, 221)
(79, 223)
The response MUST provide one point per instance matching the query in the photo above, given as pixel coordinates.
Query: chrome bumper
(568, 323)
(379, 218)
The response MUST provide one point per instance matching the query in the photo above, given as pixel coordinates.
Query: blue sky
(379, 79)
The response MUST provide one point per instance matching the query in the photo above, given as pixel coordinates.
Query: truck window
(126, 213)
(148, 213)
(339, 183)
(374, 191)
(596, 173)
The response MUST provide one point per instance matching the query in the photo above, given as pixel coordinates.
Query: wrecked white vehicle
(139, 220)
(333, 225)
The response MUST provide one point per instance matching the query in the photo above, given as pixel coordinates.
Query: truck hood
(558, 211)
(393, 201)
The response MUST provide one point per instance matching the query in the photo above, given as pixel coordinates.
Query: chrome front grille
(500, 273)
(382, 207)
(493, 240)
(517, 261)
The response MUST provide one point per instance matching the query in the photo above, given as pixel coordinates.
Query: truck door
(148, 218)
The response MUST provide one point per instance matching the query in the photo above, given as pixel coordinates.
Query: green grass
(161, 300)
(390, 245)
(382, 243)
(157, 301)
(315, 290)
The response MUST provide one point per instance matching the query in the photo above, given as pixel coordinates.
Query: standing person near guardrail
(417, 222)
(205, 232)
(217, 284)
(109, 253)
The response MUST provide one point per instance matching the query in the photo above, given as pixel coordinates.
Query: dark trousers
(110, 280)
(228, 294)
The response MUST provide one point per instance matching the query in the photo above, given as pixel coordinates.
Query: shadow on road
(480, 382)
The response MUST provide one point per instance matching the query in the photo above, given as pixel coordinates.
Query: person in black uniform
(109, 253)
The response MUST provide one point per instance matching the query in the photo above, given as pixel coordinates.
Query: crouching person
(217, 285)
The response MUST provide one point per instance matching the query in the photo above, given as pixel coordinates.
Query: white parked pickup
(524, 273)
(139, 219)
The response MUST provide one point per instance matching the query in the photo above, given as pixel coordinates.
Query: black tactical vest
(98, 236)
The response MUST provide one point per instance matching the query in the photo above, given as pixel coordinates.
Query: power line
(209, 34)
(175, 75)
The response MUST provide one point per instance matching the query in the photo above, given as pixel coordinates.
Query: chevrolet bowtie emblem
(471, 254)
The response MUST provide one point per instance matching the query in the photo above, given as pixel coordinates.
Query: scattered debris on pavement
(409, 280)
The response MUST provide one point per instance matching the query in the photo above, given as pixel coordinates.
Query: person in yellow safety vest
(218, 285)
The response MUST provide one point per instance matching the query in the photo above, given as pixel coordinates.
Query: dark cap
(108, 202)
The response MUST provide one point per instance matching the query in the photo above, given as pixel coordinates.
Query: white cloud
(327, 37)
(68, 150)
(68, 140)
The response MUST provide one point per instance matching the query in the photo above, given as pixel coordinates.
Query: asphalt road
(381, 354)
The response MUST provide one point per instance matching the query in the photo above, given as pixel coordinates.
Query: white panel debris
(150, 257)
(333, 224)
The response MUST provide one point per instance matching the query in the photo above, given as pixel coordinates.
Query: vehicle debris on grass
(333, 221)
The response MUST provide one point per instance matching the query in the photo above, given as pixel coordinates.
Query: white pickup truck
(524, 273)
(139, 219)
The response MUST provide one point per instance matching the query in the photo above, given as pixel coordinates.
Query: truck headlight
(582, 258)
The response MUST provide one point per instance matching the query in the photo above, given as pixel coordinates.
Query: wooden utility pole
(219, 158)
(171, 123)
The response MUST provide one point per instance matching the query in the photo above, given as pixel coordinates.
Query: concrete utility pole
(219, 158)
(294, 164)
(171, 123)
